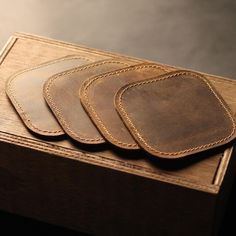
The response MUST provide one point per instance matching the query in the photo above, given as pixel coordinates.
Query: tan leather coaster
(61, 92)
(176, 114)
(226, 88)
(97, 96)
(25, 90)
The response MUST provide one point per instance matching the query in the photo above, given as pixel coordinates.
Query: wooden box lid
(203, 172)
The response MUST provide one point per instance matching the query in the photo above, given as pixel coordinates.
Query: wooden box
(102, 190)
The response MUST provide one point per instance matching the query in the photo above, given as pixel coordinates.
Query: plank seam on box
(10, 90)
(53, 102)
(79, 155)
(168, 77)
(96, 116)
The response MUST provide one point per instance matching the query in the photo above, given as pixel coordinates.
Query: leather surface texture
(25, 90)
(61, 92)
(97, 96)
(176, 114)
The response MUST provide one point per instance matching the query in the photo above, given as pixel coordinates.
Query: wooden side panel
(98, 201)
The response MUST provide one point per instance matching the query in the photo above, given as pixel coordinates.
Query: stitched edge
(124, 114)
(89, 107)
(52, 103)
(18, 106)
(99, 160)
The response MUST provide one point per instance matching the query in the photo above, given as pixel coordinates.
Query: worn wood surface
(63, 182)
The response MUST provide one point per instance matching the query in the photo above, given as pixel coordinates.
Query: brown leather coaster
(97, 96)
(226, 88)
(25, 90)
(176, 114)
(61, 92)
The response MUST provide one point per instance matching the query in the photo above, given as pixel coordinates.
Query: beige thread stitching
(69, 153)
(11, 91)
(92, 110)
(119, 99)
(52, 102)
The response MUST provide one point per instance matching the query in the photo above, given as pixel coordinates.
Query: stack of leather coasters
(109, 144)
(130, 105)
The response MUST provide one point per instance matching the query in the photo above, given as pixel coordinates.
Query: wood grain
(99, 189)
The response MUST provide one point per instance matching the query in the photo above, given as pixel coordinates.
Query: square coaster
(25, 90)
(61, 92)
(176, 114)
(97, 96)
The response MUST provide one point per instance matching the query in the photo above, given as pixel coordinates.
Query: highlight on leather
(176, 114)
(61, 92)
(97, 96)
(25, 90)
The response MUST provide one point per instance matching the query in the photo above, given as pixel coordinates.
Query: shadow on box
(13, 223)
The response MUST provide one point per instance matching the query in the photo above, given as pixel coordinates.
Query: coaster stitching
(122, 109)
(96, 117)
(10, 92)
(57, 110)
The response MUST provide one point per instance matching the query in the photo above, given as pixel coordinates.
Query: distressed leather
(176, 114)
(97, 96)
(226, 88)
(25, 90)
(73, 78)
(61, 92)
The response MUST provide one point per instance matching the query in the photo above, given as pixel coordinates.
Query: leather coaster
(226, 88)
(97, 96)
(25, 90)
(176, 114)
(61, 92)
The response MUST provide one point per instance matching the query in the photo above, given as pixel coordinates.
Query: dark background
(194, 34)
